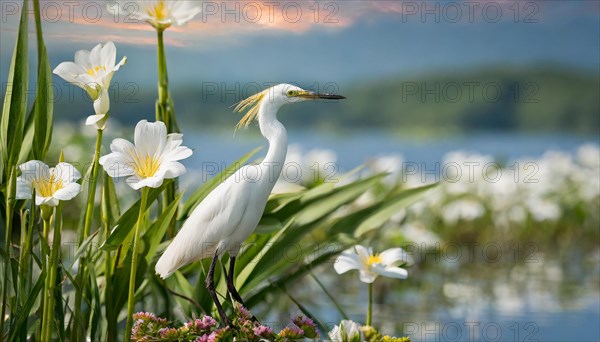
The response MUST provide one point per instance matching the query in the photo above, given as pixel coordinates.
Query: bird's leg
(230, 286)
(210, 286)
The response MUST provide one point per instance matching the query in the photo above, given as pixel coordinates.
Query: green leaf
(325, 203)
(15, 99)
(268, 225)
(110, 202)
(285, 278)
(96, 308)
(156, 232)
(391, 207)
(84, 246)
(44, 107)
(250, 266)
(307, 313)
(23, 313)
(128, 220)
(209, 186)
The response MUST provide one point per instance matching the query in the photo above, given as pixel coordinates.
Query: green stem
(38, 28)
(89, 215)
(164, 112)
(44, 247)
(51, 276)
(163, 83)
(10, 203)
(370, 309)
(111, 329)
(89, 212)
(26, 250)
(134, 260)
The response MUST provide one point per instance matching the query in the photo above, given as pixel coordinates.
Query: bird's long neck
(276, 134)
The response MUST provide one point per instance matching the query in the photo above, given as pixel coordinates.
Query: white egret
(231, 212)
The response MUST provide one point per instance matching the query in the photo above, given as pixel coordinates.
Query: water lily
(51, 184)
(372, 265)
(93, 71)
(150, 160)
(347, 331)
(159, 13)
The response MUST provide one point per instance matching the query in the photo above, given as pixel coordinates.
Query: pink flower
(205, 323)
(203, 338)
(243, 312)
(263, 331)
(307, 325)
(291, 331)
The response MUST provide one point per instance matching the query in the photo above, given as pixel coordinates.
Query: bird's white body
(231, 212)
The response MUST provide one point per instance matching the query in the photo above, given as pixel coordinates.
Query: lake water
(356, 148)
(446, 306)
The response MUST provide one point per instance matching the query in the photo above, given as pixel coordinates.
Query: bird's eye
(290, 93)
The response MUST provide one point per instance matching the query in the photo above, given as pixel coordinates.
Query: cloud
(226, 22)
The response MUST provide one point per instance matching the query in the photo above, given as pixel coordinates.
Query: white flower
(93, 71)
(159, 13)
(153, 158)
(347, 331)
(51, 184)
(372, 265)
(462, 209)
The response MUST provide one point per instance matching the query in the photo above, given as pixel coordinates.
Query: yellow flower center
(159, 11)
(47, 187)
(374, 259)
(145, 166)
(93, 71)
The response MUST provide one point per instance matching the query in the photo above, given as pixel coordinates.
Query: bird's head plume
(251, 104)
(278, 95)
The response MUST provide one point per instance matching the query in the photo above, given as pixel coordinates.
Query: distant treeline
(533, 100)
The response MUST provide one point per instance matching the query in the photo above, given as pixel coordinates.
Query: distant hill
(533, 100)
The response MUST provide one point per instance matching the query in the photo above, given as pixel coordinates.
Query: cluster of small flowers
(148, 327)
(474, 186)
(350, 331)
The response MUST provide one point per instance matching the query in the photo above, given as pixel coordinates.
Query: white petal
(121, 63)
(346, 262)
(176, 154)
(23, 188)
(102, 104)
(136, 183)
(183, 11)
(108, 55)
(391, 272)
(34, 169)
(173, 140)
(68, 192)
(171, 170)
(363, 252)
(117, 164)
(392, 256)
(133, 9)
(96, 120)
(82, 58)
(49, 201)
(367, 277)
(66, 172)
(121, 145)
(95, 57)
(150, 137)
(69, 71)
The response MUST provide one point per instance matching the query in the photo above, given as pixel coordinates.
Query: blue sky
(346, 42)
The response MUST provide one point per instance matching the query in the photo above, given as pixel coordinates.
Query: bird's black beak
(313, 95)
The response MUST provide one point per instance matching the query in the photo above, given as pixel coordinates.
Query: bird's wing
(213, 220)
